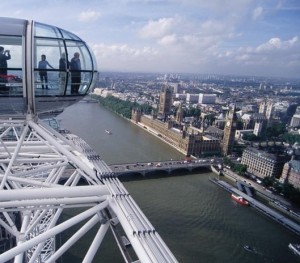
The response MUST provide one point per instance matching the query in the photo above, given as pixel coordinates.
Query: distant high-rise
(262, 107)
(192, 98)
(229, 132)
(175, 86)
(165, 100)
(295, 122)
(207, 98)
(258, 126)
(266, 108)
(269, 110)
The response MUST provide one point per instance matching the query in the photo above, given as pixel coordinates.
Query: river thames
(198, 221)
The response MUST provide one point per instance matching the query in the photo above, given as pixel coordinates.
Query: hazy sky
(249, 37)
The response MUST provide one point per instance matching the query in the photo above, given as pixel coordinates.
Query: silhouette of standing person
(62, 73)
(75, 66)
(43, 71)
(4, 56)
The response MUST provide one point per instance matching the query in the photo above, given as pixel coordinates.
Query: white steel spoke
(10, 229)
(50, 233)
(42, 174)
(96, 243)
(13, 158)
(82, 231)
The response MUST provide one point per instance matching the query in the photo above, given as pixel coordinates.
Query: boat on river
(249, 248)
(295, 248)
(239, 199)
(108, 132)
(252, 250)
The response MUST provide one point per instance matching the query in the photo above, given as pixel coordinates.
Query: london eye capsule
(43, 68)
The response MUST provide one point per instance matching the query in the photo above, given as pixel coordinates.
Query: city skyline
(251, 37)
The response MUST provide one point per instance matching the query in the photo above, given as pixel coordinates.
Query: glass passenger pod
(63, 68)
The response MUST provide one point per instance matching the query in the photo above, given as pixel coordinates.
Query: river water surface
(197, 220)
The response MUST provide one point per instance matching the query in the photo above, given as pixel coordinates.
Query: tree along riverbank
(121, 107)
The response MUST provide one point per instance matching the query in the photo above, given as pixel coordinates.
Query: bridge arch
(160, 171)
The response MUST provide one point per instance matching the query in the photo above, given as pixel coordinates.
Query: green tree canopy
(122, 107)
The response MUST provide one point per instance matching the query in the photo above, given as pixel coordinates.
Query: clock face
(228, 123)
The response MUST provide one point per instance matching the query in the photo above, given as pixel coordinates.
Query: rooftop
(262, 154)
(295, 165)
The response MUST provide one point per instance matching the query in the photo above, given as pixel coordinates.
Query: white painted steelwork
(43, 174)
(40, 171)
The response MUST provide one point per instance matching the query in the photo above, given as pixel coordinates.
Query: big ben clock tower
(229, 132)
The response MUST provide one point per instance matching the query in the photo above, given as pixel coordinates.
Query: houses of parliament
(186, 138)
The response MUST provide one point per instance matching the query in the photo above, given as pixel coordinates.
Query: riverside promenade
(260, 207)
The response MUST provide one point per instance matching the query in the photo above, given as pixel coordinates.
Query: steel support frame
(39, 174)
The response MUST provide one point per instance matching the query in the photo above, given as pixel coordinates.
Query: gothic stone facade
(189, 144)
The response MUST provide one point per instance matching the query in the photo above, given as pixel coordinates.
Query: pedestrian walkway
(271, 213)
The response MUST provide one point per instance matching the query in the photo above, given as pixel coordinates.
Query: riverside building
(291, 173)
(189, 141)
(261, 163)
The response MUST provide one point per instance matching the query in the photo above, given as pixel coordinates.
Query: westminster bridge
(169, 166)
